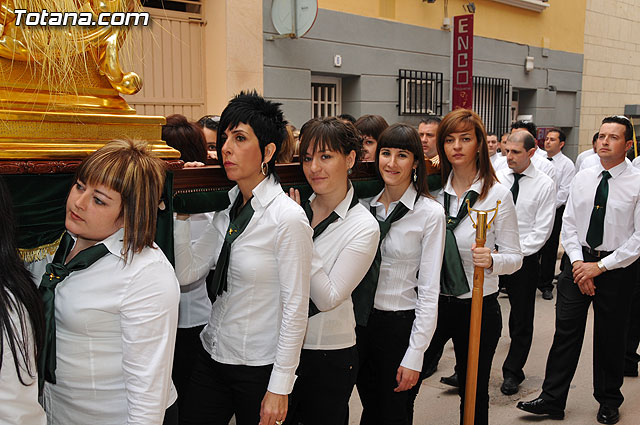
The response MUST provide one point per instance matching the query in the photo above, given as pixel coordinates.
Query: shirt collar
(264, 192)
(530, 171)
(476, 186)
(114, 243)
(343, 207)
(615, 171)
(408, 198)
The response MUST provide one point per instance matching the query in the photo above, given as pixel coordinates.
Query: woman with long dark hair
(403, 281)
(467, 174)
(21, 328)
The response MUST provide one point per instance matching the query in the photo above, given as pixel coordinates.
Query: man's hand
(406, 379)
(273, 408)
(583, 274)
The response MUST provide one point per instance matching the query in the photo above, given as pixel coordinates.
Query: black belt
(595, 252)
(456, 300)
(404, 314)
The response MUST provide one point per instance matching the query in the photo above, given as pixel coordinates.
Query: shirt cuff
(575, 256)
(609, 262)
(281, 383)
(412, 359)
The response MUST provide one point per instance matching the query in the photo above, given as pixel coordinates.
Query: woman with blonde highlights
(467, 175)
(110, 297)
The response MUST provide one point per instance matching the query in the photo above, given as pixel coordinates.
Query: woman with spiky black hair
(261, 248)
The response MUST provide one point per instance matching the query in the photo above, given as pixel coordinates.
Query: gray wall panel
(287, 83)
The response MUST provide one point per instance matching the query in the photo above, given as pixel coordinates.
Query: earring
(415, 175)
(349, 171)
(264, 169)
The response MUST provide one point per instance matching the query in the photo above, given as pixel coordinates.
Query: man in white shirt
(497, 161)
(587, 154)
(539, 159)
(534, 195)
(565, 171)
(601, 236)
(503, 143)
(427, 129)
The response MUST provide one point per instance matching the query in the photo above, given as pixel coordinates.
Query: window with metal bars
(191, 6)
(492, 102)
(419, 92)
(326, 97)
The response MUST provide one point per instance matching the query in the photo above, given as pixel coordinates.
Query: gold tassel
(39, 253)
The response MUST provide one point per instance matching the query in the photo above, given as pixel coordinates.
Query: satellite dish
(293, 18)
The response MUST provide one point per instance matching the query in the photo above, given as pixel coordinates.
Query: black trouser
(521, 287)
(184, 358)
(549, 253)
(453, 322)
(171, 415)
(631, 357)
(611, 304)
(217, 391)
(323, 388)
(381, 347)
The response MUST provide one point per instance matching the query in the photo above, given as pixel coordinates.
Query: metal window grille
(492, 102)
(419, 92)
(191, 6)
(325, 99)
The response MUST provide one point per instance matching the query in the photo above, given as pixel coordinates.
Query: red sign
(462, 77)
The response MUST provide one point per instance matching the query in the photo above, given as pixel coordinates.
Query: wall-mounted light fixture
(528, 63)
(470, 7)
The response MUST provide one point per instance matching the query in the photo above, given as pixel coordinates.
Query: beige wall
(233, 50)
(611, 74)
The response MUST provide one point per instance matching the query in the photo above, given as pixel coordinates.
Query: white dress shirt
(115, 334)
(195, 305)
(261, 319)
(342, 255)
(19, 402)
(594, 161)
(622, 215)
(544, 165)
(415, 243)
(565, 172)
(498, 161)
(541, 152)
(535, 207)
(503, 232)
(636, 162)
(580, 159)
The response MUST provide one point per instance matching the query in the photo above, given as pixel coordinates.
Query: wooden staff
(481, 225)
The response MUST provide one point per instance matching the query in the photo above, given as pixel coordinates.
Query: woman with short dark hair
(261, 247)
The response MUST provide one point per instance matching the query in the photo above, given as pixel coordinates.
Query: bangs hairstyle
(371, 125)
(406, 137)
(129, 168)
(263, 116)
(466, 120)
(330, 134)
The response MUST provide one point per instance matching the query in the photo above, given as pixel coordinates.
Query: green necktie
(364, 294)
(453, 280)
(318, 230)
(55, 273)
(515, 187)
(550, 159)
(239, 216)
(596, 224)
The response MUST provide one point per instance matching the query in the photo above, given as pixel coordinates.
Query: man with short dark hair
(427, 129)
(497, 161)
(565, 171)
(601, 237)
(534, 195)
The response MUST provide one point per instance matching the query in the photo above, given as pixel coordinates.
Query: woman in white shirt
(345, 240)
(21, 328)
(467, 174)
(404, 307)
(110, 297)
(261, 247)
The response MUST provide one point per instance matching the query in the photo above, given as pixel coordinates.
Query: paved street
(438, 405)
